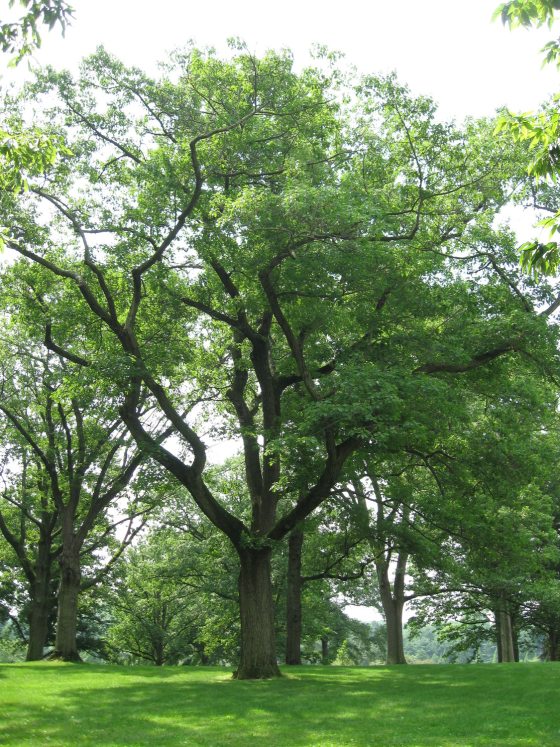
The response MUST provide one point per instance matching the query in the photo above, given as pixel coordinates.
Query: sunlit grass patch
(416, 706)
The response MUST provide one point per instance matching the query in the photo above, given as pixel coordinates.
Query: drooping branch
(27, 436)
(552, 308)
(511, 285)
(219, 316)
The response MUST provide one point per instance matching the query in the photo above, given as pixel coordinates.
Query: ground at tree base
(417, 706)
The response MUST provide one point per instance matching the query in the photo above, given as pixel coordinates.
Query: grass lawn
(417, 706)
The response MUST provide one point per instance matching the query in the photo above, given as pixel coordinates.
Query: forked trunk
(66, 647)
(258, 644)
(293, 599)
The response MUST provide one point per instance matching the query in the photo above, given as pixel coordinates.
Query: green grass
(418, 706)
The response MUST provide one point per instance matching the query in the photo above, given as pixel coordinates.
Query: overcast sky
(449, 49)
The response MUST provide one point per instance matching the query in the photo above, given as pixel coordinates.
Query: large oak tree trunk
(41, 607)
(42, 603)
(256, 605)
(393, 601)
(66, 647)
(293, 598)
(38, 631)
(394, 620)
(504, 633)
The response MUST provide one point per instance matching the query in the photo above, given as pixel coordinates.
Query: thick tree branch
(18, 548)
(51, 345)
(188, 476)
(319, 492)
(476, 361)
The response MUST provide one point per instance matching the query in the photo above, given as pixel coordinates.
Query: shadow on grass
(420, 706)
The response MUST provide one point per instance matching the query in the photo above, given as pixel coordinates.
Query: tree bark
(394, 620)
(42, 599)
(553, 645)
(42, 604)
(324, 649)
(256, 606)
(293, 598)
(504, 633)
(515, 639)
(393, 606)
(66, 647)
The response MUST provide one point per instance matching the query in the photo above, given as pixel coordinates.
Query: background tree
(323, 552)
(29, 525)
(501, 551)
(65, 426)
(157, 608)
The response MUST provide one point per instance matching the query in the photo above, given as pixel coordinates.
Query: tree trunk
(159, 658)
(41, 606)
(66, 647)
(393, 605)
(256, 606)
(324, 650)
(393, 618)
(41, 603)
(293, 598)
(553, 645)
(515, 640)
(504, 633)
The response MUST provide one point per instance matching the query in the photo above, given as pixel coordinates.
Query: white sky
(449, 49)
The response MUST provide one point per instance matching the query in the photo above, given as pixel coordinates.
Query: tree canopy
(307, 263)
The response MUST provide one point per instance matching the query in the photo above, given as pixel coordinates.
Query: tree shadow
(407, 706)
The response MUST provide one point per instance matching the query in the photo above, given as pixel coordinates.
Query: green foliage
(154, 610)
(21, 37)
(538, 132)
(538, 258)
(12, 648)
(26, 154)
(527, 12)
